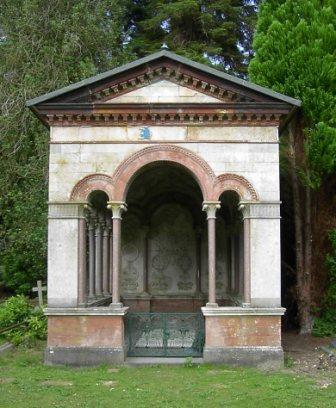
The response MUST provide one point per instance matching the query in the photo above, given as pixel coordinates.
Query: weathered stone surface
(265, 358)
(86, 331)
(163, 91)
(83, 356)
(242, 331)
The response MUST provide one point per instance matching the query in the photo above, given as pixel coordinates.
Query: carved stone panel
(132, 256)
(172, 252)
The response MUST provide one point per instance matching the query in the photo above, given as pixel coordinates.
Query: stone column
(110, 250)
(92, 222)
(198, 238)
(82, 278)
(106, 259)
(245, 209)
(233, 263)
(98, 264)
(210, 207)
(117, 207)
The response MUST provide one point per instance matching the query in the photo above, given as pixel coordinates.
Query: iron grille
(164, 334)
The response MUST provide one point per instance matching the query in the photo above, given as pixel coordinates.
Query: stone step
(149, 361)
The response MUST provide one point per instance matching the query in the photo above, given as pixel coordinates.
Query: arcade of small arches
(164, 234)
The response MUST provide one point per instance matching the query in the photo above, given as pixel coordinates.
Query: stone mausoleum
(164, 215)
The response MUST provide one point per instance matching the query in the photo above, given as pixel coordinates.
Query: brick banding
(234, 182)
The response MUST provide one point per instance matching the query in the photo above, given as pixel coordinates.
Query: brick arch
(196, 166)
(91, 183)
(234, 182)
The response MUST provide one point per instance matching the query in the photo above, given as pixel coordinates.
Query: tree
(44, 45)
(217, 32)
(294, 54)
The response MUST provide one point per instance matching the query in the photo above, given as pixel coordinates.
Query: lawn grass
(26, 382)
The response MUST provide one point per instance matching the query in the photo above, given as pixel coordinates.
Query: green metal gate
(164, 334)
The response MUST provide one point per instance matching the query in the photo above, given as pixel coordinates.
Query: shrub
(17, 309)
(325, 324)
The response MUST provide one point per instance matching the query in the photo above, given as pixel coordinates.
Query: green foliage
(325, 324)
(215, 32)
(17, 309)
(294, 54)
(43, 46)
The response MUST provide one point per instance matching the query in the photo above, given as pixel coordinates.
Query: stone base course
(260, 357)
(83, 356)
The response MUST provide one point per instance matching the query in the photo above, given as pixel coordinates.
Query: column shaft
(116, 259)
(82, 261)
(91, 258)
(106, 261)
(211, 207)
(247, 264)
(98, 281)
(233, 264)
(212, 259)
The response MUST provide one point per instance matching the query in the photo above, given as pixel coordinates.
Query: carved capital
(117, 208)
(210, 207)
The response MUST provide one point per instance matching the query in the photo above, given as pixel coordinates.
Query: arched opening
(229, 251)
(99, 248)
(161, 241)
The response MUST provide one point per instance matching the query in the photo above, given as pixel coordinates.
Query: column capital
(210, 207)
(117, 208)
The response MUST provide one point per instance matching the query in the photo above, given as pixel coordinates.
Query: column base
(260, 357)
(211, 304)
(83, 356)
(118, 305)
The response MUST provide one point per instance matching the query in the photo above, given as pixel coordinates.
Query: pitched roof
(174, 57)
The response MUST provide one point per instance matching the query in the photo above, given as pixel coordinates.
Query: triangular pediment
(162, 87)
(164, 91)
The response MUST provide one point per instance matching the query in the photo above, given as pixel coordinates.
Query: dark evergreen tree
(44, 45)
(216, 32)
(295, 54)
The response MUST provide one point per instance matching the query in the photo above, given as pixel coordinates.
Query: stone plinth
(243, 336)
(82, 337)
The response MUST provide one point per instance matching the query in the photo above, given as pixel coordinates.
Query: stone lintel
(242, 311)
(260, 209)
(85, 311)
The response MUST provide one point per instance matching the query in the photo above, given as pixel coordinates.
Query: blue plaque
(145, 133)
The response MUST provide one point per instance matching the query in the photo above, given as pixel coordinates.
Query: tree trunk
(302, 226)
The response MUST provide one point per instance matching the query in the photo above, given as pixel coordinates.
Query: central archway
(193, 164)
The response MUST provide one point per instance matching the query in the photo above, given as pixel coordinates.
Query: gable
(163, 91)
(163, 88)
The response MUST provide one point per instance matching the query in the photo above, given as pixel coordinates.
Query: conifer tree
(294, 49)
(44, 45)
(215, 32)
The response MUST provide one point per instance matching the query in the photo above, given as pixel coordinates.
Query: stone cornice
(162, 114)
(243, 311)
(81, 311)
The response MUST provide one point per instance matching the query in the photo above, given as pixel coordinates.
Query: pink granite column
(117, 208)
(247, 254)
(210, 207)
(82, 279)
